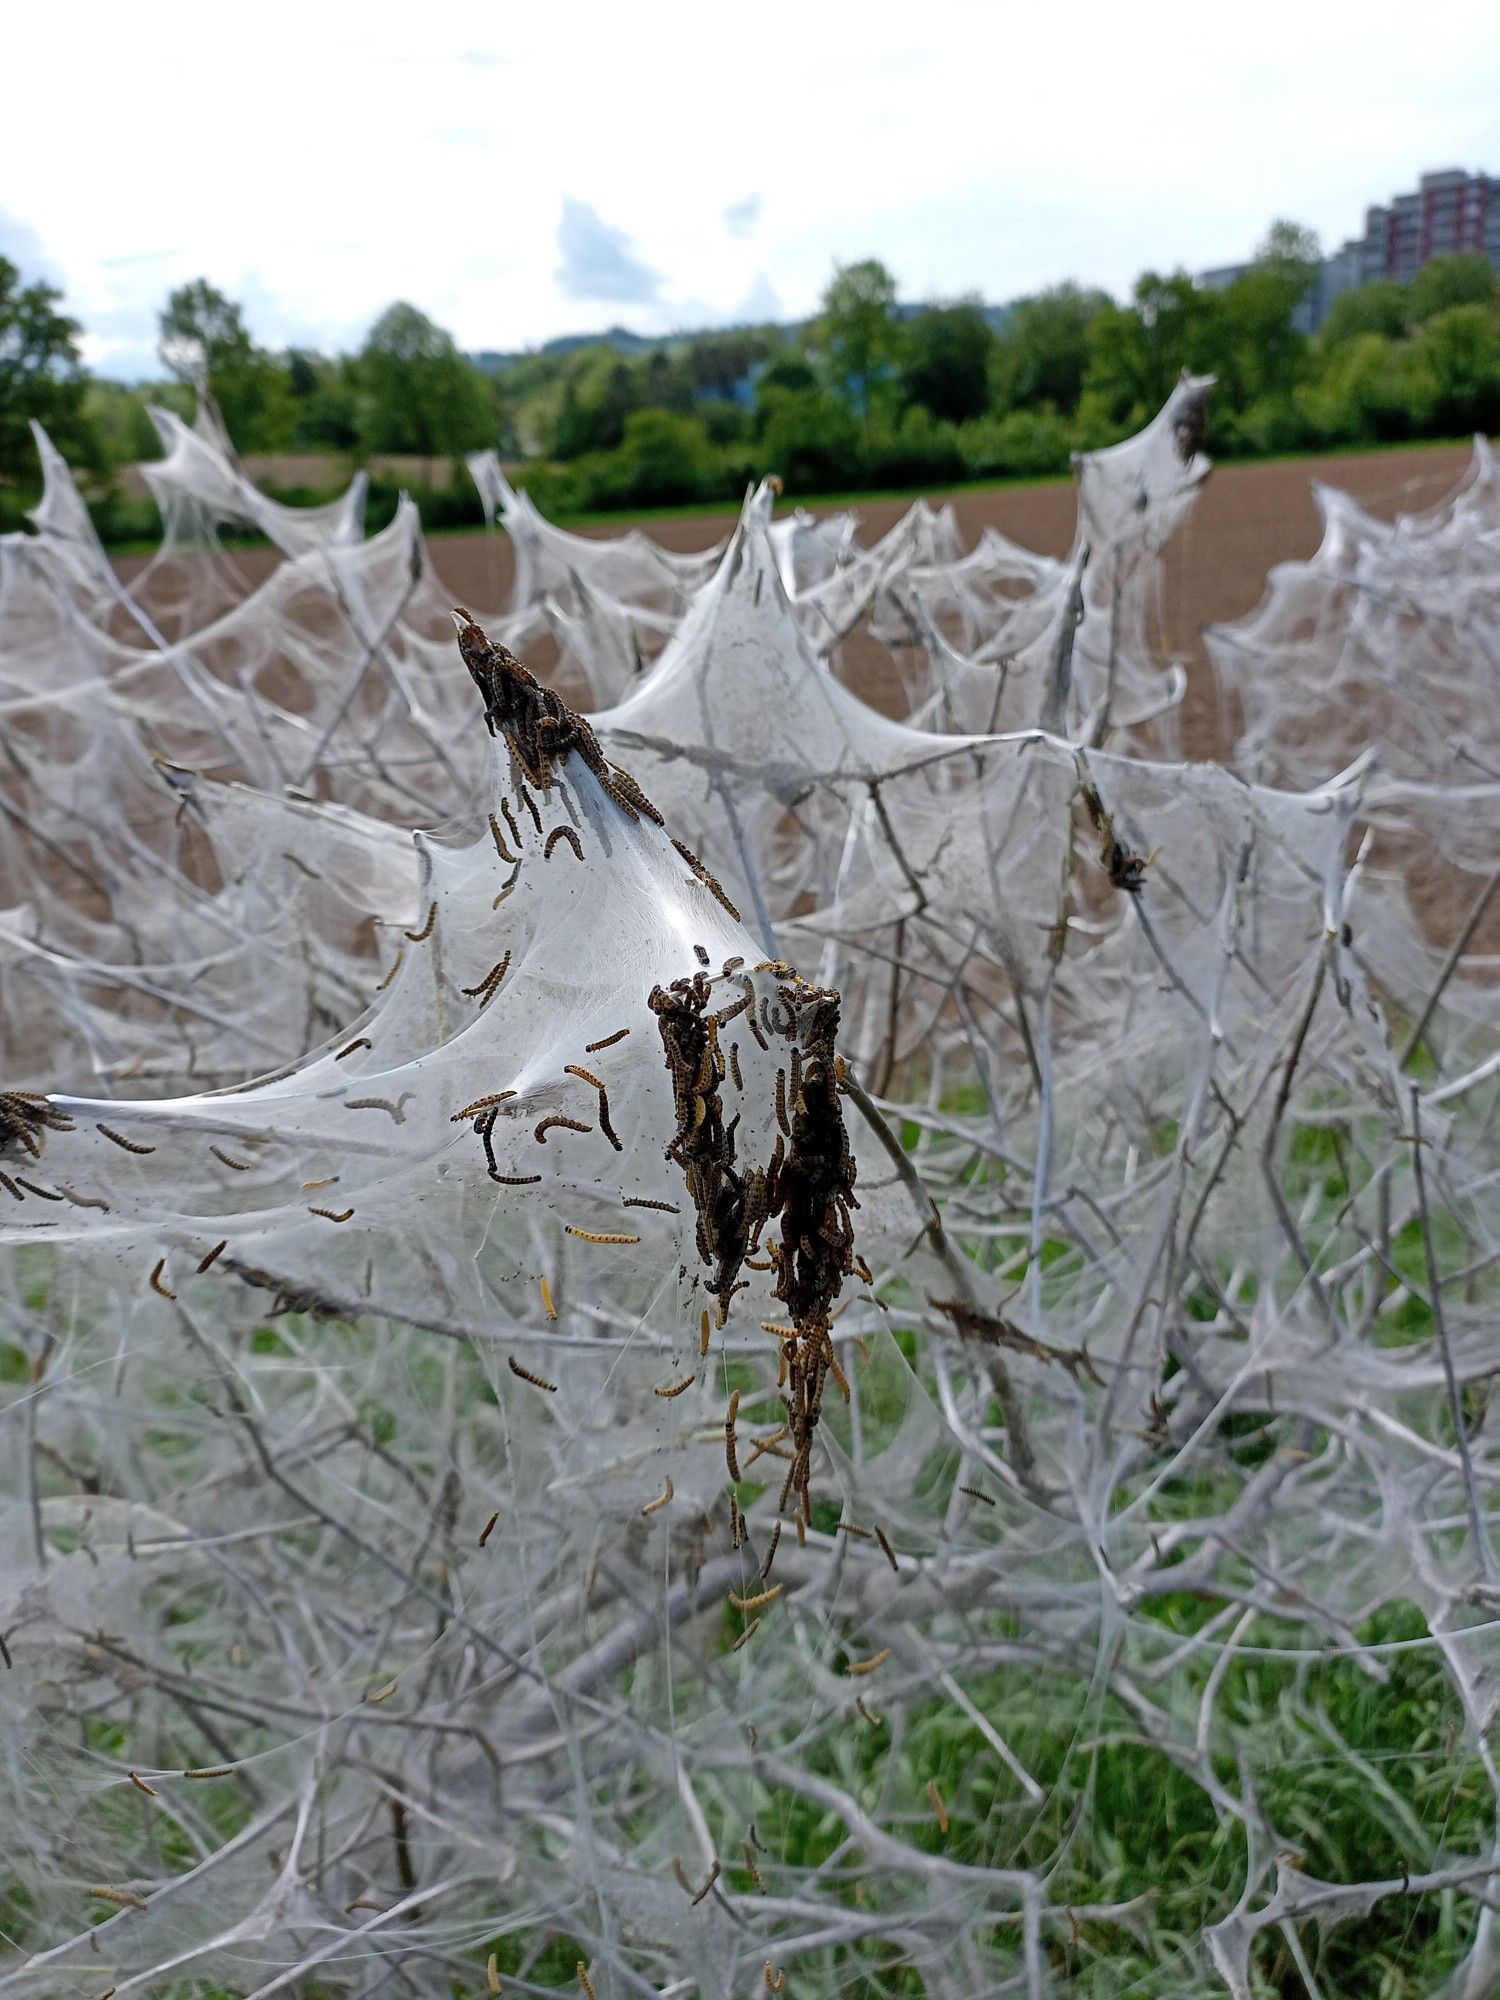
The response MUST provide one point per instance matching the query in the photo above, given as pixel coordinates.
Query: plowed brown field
(1248, 518)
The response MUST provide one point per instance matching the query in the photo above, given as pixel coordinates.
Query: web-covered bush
(704, 1342)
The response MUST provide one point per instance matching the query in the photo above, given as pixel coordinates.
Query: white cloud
(21, 245)
(761, 304)
(597, 261)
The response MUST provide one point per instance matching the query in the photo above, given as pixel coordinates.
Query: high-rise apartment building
(1452, 213)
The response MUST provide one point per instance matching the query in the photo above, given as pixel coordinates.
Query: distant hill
(620, 338)
(495, 361)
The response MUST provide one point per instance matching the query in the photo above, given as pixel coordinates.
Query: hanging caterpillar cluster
(808, 1184)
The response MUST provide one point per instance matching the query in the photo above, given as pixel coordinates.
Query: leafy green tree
(41, 377)
(1020, 444)
(726, 423)
(1368, 390)
(1262, 349)
(666, 458)
(948, 351)
(919, 450)
(859, 332)
(1379, 307)
(810, 438)
(1136, 352)
(201, 331)
(1290, 251)
(1256, 350)
(719, 362)
(666, 383)
(203, 339)
(417, 392)
(327, 402)
(789, 369)
(1270, 423)
(1460, 349)
(570, 431)
(1450, 281)
(118, 415)
(1044, 349)
(599, 396)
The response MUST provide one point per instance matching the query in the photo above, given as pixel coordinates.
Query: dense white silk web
(640, 1336)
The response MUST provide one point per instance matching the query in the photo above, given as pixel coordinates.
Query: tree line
(866, 395)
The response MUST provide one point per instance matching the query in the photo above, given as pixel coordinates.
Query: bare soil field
(316, 469)
(1248, 518)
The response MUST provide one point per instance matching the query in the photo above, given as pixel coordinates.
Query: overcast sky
(521, 173)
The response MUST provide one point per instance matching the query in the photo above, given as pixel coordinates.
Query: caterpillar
(754, 1603)
(562, 833)
(765, 1568)
(119, 1139)
(397, 1110)
(587, 1076)
(480, 1104)
(709, 882)
(530, 804)
(82, 1200)
(554, 1121)
(487, 988)
(730, 1456)
(525, 1375)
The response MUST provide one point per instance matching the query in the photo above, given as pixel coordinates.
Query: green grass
(1360, 1781)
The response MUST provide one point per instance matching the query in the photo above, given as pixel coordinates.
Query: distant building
(1452, 213)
